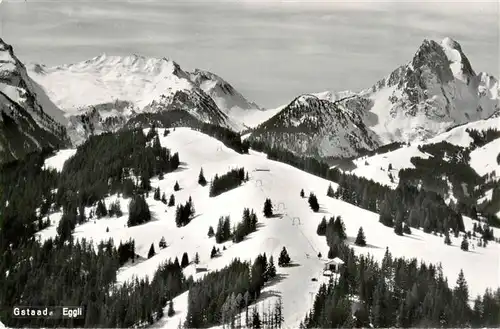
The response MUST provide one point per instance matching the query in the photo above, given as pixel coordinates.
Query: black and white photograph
(237, 164)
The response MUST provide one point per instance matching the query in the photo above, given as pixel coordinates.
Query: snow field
(295, 228)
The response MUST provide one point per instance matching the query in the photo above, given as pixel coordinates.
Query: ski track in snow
(282, 183)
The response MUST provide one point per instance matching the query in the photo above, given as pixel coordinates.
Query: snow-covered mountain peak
(334, 96)
(133, 63)
(227, 98)
(431, 59)
(459, 63)
(6, 54)
(104, 92)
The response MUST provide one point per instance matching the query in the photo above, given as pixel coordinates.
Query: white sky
(271, 50)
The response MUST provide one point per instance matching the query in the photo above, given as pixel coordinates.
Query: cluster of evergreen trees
(246, 226)
(268, 208)
(228, 137)
(108, 163)
(429, 208)
(232, 179)
(138, 211)
(397, 293)
(25, 186)
(313, 202)
(184, 213)
(212, 301)
(126, 251)
(77, 273)
(224, 232)
(61, 270)
(481, 138)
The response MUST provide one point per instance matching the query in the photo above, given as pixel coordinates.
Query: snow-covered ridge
(38, 121)
(483, 159)
(296, 229)
(146, 85)
(105, 79)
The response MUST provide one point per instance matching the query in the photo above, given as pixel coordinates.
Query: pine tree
(164, 198)
(213, 253)
(176, 186)
(398, 228)
(268, 208)
(162, 244)
(115, 209)
(190, 207)
(461, 300)
(465, 244)
(406, 229)
(256, 323)
(211, 232)
(360, 238)
(271, 269)
(101, 210)
(151, 252)
(196, 258)
(170, 312)
(313, 202)
(284, 258)
(156, 196)
(321, 230)
(201, 178)
(330, 192)
(302, 193)
(385, 214)
(185, 260)
(138, 211)
(333, 251)
(171, 200)
(447, 239)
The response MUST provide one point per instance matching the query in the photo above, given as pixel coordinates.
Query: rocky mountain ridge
(29, 121)
(434, 92)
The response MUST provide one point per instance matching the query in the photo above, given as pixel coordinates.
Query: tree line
(398, 292)
(228, 181)
(221, 296)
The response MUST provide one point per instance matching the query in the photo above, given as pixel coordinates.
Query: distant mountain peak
(227, 98)
(28, 119)
(459, 63)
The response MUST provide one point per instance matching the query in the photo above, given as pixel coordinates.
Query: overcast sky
(270, 51)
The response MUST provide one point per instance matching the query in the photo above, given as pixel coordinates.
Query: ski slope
(483, 159)
(295, 229)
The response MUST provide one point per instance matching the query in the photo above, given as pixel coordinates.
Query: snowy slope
(57, 161)
(376, 167)
(483, 160)
(296, 229)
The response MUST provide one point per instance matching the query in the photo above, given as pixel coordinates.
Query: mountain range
(437, 90)
(398, 185)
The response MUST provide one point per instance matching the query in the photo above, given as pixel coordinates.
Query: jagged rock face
(437, 90)
(320, 128)
(224, 95)
(27, 117)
